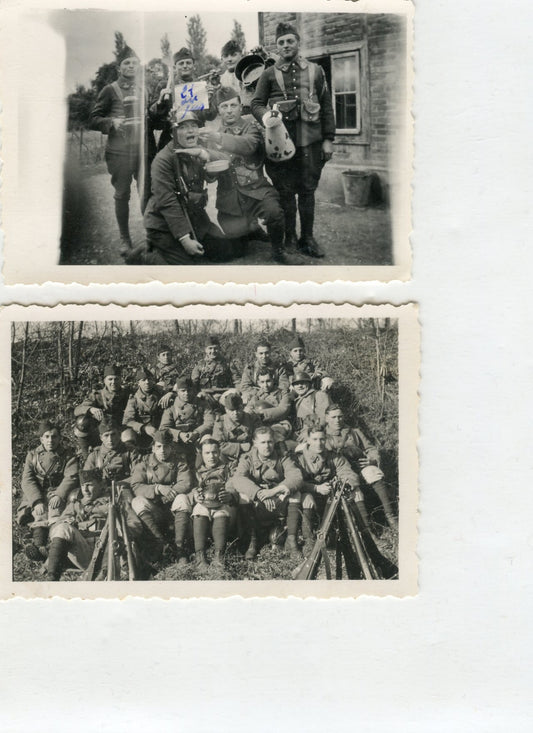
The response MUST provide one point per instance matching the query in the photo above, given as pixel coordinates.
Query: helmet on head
(84, 426)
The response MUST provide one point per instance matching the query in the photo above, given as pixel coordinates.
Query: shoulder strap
(311, 68)
(281, 82)
(118, 91)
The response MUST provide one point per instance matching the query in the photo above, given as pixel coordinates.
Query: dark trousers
(164, 249)
(123, 169)
(251, 209)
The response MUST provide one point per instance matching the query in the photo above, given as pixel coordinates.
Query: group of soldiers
(253, 102)
(205, 455)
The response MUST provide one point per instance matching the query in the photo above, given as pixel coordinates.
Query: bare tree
(22, 372)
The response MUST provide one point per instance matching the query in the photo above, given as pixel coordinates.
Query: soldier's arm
(242, 481)
(167, 423)
(164, 193)
(246, 379)
(279, 411)
(31, 488)
(327, 117)
(369, 449)
(139, 483)
(292, 476)
(130, 414)
(70, 480)
(344, 471)
(246, 144)
(184, 478)
(283, 378)
(100, 118)
(208, 420)
(86, 405)
(259, 103)
(322, 402)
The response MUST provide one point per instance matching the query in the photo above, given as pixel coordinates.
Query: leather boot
(36, 549)
(57, 558)
(288, 204)
(291, 546)
(181, 529)
(201, 561)
(307, 243)
(122, 213)
(251, 552)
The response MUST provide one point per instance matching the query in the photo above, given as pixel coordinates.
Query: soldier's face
(233, 414)
(157, 71)
(230, 111)
(162, 451)
(112, 382)
(184, 69)
(287, 46)
(335, 420)
(210, 455)
(110, 439)
(212, 351)
(317, 442)
(188, 134)
(145, 384)
(300, 387)
(264, 442)
(262, 354)
(184, 394)
(50, 440)
(265, 383)
(128, 68)
(165, 357)
(231, 59)
(90, 491)
(297, 354)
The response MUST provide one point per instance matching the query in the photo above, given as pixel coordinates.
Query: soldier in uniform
(108, 402)
(363, 456)
(85, 437)
(308, 403)
(298, 361)
(112, 458)
(165, 370)
(243, 193)
(319, 468)
(162, 483)
(189, 417)
(145, 407)
(272, 405)
(215, 504)
(178, 228)
(50, 474)
(213, 375)
(249, 385)
(270, 482)
(300, 90)
(118, 113)
(234, 430)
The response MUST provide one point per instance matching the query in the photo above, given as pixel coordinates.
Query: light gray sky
(89, 35)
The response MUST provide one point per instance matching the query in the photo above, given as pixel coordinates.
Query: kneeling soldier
(319, 468)
(50, 474)
(363, 456)
(215, 504)
(270, 482)
(162, 483)
(234, 430)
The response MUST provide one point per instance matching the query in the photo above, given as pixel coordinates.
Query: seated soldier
(75, 532)
(248, 385)
(162, 484)
(243, 192)
(272, 405)
(50, 474)
(110, 401)
(145, 407)
(307, 402)
(270, 483)
(320, 467)
(189, 417)
(299, 362)
(179, 231)
(213, 374)
(165, 370)
(215, 504)
(86, 437)
(234, 430)
(112, 458)
(361, 453)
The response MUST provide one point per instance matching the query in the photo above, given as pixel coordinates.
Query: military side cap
(183, 53)
(183, 383)
(91, 476)
(224, 94)
(107, 426)
(250, 61)
(143, 373)
(163, 347)
(300, 376)
(112, 370)
(163, 436)
(297, 343)
(126, 53)
(45, 426)
(286, 29)
(233, 401)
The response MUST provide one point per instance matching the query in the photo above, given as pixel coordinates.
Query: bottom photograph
(209, 451)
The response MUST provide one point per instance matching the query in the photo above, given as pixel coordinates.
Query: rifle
(181, 189)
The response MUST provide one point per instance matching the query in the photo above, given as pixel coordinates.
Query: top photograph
(207, 147)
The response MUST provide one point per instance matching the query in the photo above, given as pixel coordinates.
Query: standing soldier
(249, 384)
(270, 482)
(162, 483)
(213, 375)
(230, 55)
(118, 113)
(234, 430)
(363, 456)
(243, 193)
(299, 362)
(189, 417)
(300, 90)
(145, 408)
(108, 402)
(49, 475)
(310, 405)
(165, 370)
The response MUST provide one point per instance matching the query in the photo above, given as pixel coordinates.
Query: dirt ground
(348, 235)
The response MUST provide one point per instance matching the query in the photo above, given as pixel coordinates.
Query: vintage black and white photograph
(244, 139)
(261, 447)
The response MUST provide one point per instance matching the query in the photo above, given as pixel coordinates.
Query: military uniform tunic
(115, 464)
(143, 409)
(323, 468)
(249, 377)
(187, 417)
(47, 474)
(151, 471)
(312, 404)
(214, 374)
(112, 404)
(231, 434)
(254, 473)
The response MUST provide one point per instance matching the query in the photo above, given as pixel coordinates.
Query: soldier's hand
(363, 462)
(209, 138)
(192, 247)
(164, 95)
(245, 447)
(118, 122)
(323, 489)
(270, 504)
(55, 502)
(326, 383)
(97, 413)
(38, 509)
(327, 150)
(226, 497)
(263, 494)
(166, 400)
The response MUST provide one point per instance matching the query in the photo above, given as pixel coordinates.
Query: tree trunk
(78, 353)
(22, 373)
(293, 325)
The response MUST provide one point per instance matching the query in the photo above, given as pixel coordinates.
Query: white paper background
(457, 657)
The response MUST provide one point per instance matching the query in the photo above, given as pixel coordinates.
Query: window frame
(356, 55)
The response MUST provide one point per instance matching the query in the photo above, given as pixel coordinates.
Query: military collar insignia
(302, 63)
